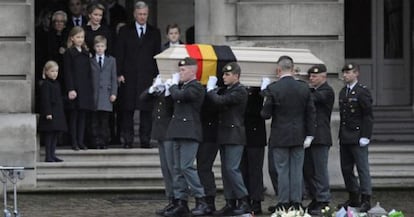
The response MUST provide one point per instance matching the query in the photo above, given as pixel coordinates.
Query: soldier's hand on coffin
(307, 142)
(155, 87)
(211, 83)
(175, 78)
(265, 83)
(167, 85)
(121, 79)
(363, 142)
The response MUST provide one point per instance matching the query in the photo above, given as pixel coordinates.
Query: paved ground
(144, 204)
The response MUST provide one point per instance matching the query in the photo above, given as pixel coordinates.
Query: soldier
(231, 138)
(288, 102)
(185, 131)
(253, 155)
(355, 104)
(315, 170)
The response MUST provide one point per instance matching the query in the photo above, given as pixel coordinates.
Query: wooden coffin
(255, 62)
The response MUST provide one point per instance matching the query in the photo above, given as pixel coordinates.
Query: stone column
(215, 21)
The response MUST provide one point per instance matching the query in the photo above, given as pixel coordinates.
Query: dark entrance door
(377, 37)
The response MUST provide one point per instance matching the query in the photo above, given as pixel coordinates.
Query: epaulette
(363, 86)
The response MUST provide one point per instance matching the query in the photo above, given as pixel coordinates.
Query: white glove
(211, 83)
(175, 78)
(307, 142)
(155, 85)
(265, 83)
(167, 85)
(363, 141)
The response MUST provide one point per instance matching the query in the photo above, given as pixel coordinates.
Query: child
(78, 82)
(52, 117)
(173, 36)
(105, 90)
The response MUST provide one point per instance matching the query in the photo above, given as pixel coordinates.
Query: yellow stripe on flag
(209, 62)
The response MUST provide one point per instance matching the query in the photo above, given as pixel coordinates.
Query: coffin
(255, 62)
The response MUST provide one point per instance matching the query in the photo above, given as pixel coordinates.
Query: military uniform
(288, 102)
(315, 169)
(231, 138)
(253, 155)
(185, 131)
(355, 106)
(161, 116)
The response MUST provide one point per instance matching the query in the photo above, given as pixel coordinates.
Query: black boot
(210, 200)
(201, 208)
(168, 207)
(257, 207)
(353, 201)
(180, 209)
(243, 206)
(365, 203)
(227, 210)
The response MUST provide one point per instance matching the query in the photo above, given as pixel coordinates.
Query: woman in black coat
(52, 119)
(95, 27)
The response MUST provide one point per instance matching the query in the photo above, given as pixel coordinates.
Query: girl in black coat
(78, 82)
(52, 117)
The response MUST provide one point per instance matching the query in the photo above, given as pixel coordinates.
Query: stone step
(393, 111)
(147, 180)
(391, 147)
(393, 123)
(105, 167)
(106, 155)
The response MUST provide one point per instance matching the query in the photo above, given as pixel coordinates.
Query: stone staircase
(392, 147)
(104, 170)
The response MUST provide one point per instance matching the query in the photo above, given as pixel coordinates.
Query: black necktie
(142, 32)
(77, 20)
(100, 62)
(348, 91)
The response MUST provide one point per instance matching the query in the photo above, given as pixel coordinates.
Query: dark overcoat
(356, 115)
(51, 104)
(161, 114)
(78, 77)
(185, 122)
(323, 98)
(232, 105)
(289, 104)
(135, 61)
(254, 123)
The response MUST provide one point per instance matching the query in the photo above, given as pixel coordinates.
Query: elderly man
(136, 46)
(355, 106)
(288, 102)
(185, 132)
(315, 170)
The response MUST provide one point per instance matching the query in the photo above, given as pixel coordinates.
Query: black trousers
(206, 154)
(145, 126)
(77, 127)
(251, 167)
(100, 128)
(50, 140)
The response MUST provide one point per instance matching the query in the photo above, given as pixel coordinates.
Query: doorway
(377, 37)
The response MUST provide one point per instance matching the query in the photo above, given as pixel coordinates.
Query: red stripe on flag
(194, 52)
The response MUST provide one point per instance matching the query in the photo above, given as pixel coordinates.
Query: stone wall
(17, 123)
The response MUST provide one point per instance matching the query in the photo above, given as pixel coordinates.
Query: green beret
(232, 67)
(316, 69)
(187, 62)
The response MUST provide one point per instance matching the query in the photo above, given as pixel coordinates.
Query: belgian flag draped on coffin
(210, 60)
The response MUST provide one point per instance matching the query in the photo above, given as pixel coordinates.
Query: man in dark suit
(231, 101)
(315, 169)
(253, 155)
(185, 131)
(138, 43)
(75, 15)
(355, 106)
(288, 102)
